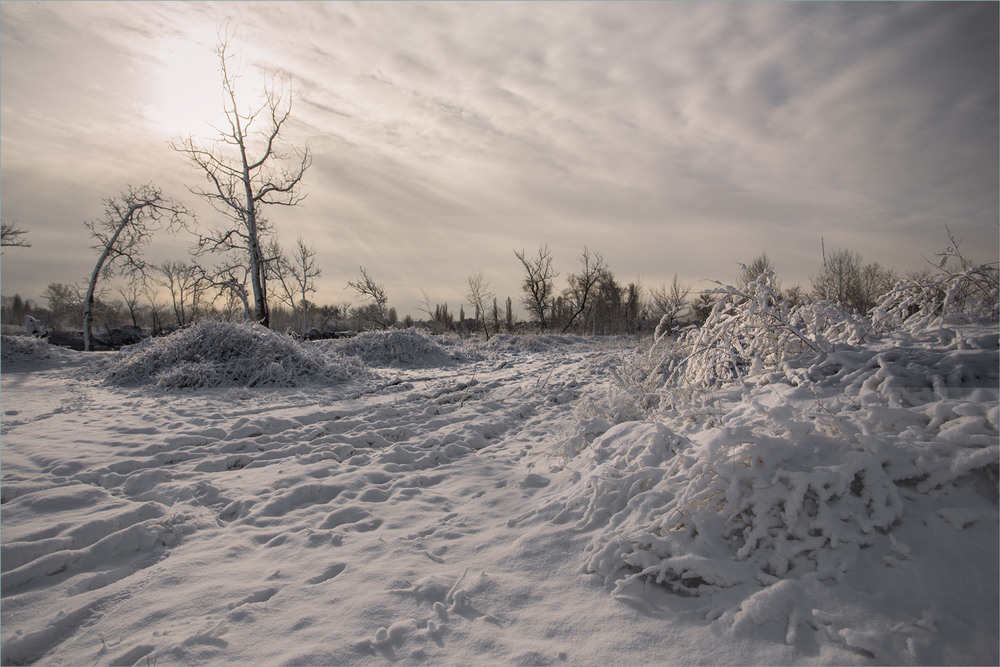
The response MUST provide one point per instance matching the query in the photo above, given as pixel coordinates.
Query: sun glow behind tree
(186, 99)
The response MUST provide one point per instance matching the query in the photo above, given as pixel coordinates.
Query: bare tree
(538, 282)
(297, 277)
(437, 320)
(668, 303)
(874, 280)
(229, 279)
(11, 236)
(129, 221)
(478, 296)
(155, 309)
(65, 303)
(840, 279)
(182, 279)
(582, 285)
(635, 307)
(246, 172)
(130, 293)
(368, 289)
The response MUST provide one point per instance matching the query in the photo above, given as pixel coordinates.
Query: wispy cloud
(675, 137)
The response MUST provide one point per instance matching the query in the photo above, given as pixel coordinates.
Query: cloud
(672, 137)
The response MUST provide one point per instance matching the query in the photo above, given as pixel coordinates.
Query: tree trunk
(257, 279)
(88, 302)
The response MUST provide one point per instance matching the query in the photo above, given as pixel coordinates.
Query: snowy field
(402, 499)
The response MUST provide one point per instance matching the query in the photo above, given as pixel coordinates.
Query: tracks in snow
(151, 484)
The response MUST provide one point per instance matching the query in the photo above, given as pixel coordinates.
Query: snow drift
(405, 349)
(17, 352)
(225, 354)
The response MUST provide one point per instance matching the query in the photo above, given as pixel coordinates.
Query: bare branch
(11, 236)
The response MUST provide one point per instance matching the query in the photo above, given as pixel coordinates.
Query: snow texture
(403, 349)
(527, 501)
(27, 352)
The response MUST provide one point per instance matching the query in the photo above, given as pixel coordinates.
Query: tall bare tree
(183, 281)
(538, 282)
(246, 171)
(129, 221)
(130, 293)
(840, 279)
(65, 303)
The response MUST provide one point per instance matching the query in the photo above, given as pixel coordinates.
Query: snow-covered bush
(731, 506)
(949, 298)
(797, 475)
(748, 330)
(406, 348)
(224, 354)
(957, 291)
(17, 348)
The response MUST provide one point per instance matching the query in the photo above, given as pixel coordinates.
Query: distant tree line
(590, 301)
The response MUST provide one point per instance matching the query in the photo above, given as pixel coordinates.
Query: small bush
(731, 507)
(224, 354)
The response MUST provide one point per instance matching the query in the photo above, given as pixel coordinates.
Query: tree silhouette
(245, 171)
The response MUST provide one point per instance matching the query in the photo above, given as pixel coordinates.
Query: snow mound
(529, 342)
(734, 505)
(224, 354)
(406, 348)
(21, 352)
(796, 475)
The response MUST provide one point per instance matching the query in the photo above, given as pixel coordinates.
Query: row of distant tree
(590, 300)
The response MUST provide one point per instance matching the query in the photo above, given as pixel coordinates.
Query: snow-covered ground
(522, 501)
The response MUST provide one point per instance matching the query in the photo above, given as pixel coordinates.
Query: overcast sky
(674, 137)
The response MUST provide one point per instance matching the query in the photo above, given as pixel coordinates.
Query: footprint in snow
(329, 573)
(260, 596)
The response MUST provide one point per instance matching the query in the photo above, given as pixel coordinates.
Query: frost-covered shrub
(750, 330)
(24, 348)
(747, 329)
(957, 292)
(727, 509)
(946, 299)
(406, 348)
(225, 354)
